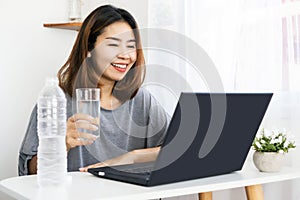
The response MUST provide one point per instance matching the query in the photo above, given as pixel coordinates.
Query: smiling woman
(115, 51)
(107, 54)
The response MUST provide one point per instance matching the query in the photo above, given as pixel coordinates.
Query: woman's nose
(124, 55)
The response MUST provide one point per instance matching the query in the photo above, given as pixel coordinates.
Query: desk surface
(86, 186)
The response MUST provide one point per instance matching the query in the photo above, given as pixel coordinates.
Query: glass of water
(88, 102)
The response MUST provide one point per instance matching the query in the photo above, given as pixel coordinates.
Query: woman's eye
(113, 45)
(131, 46)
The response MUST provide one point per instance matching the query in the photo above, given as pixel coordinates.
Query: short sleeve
(29, 145)
(158, 123)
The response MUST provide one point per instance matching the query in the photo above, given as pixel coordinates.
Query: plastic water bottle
(52, 154)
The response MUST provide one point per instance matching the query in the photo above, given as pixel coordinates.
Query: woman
(107, 54)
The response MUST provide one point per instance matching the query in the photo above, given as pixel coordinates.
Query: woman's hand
(135, 156)
(75, 138)
(127, 158)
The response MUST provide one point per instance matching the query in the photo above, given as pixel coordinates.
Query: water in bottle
(52, 154)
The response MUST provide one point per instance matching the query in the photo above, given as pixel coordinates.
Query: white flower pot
(268, 161)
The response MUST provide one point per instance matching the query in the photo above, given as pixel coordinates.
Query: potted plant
(270, 147)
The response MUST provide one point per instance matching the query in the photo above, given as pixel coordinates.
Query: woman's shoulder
(142, 99)
(145, 99)
(144, 95)
(142, 92)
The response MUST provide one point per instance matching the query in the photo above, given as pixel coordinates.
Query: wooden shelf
(67, 25)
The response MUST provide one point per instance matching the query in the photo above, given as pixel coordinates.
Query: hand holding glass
(88, 103)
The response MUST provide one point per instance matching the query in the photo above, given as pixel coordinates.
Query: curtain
(255, 47)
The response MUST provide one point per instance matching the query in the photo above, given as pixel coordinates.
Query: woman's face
(115, 51)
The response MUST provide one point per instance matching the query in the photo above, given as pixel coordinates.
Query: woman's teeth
(122, 66)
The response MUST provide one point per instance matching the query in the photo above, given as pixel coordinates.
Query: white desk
(86, 186)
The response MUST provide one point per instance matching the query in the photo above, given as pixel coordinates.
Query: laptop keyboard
(144, 169)
(133, 168)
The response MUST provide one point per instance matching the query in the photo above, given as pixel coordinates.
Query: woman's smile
(121, 67)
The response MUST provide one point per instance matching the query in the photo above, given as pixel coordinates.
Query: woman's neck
(108, 101)
(106, 91)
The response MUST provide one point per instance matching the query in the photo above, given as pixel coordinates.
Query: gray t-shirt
(137, 124)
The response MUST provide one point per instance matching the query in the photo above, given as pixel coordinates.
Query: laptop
(209, 134)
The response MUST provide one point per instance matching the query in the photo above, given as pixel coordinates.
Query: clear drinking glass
(88, 102)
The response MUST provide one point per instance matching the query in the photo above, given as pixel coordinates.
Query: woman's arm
(32, 165)
(28, 150)
(135, 156)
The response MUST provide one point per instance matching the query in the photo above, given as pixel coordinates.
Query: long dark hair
(79, 71)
